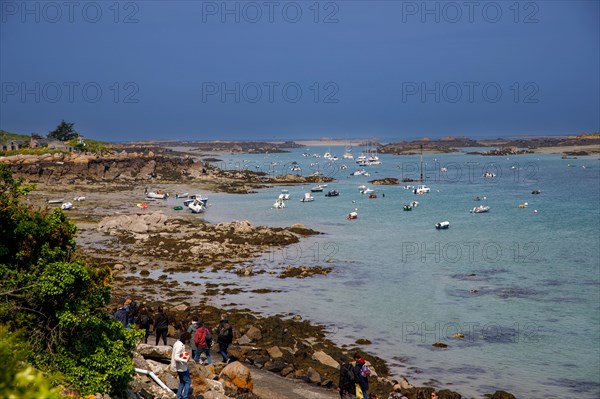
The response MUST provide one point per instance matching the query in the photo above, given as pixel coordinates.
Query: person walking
(192, 330)
(144, 320)
(161, 326)
(203, 339)
(347, 381)
(179, 359)
(362, 374)
(224, 337)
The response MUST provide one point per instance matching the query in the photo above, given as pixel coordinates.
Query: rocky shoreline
(145, 247)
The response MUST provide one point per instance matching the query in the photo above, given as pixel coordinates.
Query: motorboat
(373, 196)
(198, 197)
(421, 189)
(56, 201)
(285, 195)
(358, 172)
(535, 192)
(66, 206)
(279, 204)
(523, 205)
(332, 193)
(367, 191)
(182, 195)
(197, 206)
(442, 225)
(352, 215)
(317, 189)
(157, 195)
(308, 197)
(480, 209)
(414, 204)
(79, 198)
(407, 208)
(489, 175)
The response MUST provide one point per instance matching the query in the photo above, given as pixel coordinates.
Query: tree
(57, 298)
(63, 132)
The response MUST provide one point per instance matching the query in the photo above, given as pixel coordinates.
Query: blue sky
(205, 70)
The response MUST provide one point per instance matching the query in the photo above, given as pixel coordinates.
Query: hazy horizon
(205, 70)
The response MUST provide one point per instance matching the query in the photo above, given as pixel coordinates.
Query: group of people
(354, 378)
(199, 337)
(131, 315)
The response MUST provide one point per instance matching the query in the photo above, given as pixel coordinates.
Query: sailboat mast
(421, 163)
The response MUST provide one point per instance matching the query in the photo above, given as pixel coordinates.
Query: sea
(514, 293)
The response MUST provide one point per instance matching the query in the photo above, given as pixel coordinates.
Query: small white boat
(442, 225)
(362, 187)
(197, 206)
(480, 209)
(56, 201)
(182, 195)
(279, 204)
(352, 215)
(285, 195)
(198, 197)
(421, 189)
(157, 195)
(367, 191)
(359, 172)
(308, 197)
(79, 199)
(66, 206)
(489, 175)
(317, 189)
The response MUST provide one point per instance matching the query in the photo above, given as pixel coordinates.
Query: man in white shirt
(179, 359)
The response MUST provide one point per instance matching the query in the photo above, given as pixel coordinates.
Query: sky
(244, 70)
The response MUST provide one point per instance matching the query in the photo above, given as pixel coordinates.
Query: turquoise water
(523, 287)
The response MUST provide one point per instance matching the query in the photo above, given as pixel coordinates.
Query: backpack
(365, 371)
(144, 320)
(224, 332)
(350, 375)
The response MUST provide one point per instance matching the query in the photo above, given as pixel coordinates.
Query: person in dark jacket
(161, 326)
(224, 337)
(360, 379)
(144, 320)
(121, 315)
(347, 381)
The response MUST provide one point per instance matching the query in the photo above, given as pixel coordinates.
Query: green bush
(58, 299)
(18, 379)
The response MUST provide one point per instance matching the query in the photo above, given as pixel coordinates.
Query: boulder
(254, 333)
(238, 375)
(244, 340)
(313, 376)
(501, 395)
(274, 352)
(325, 359)
(159, 352)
